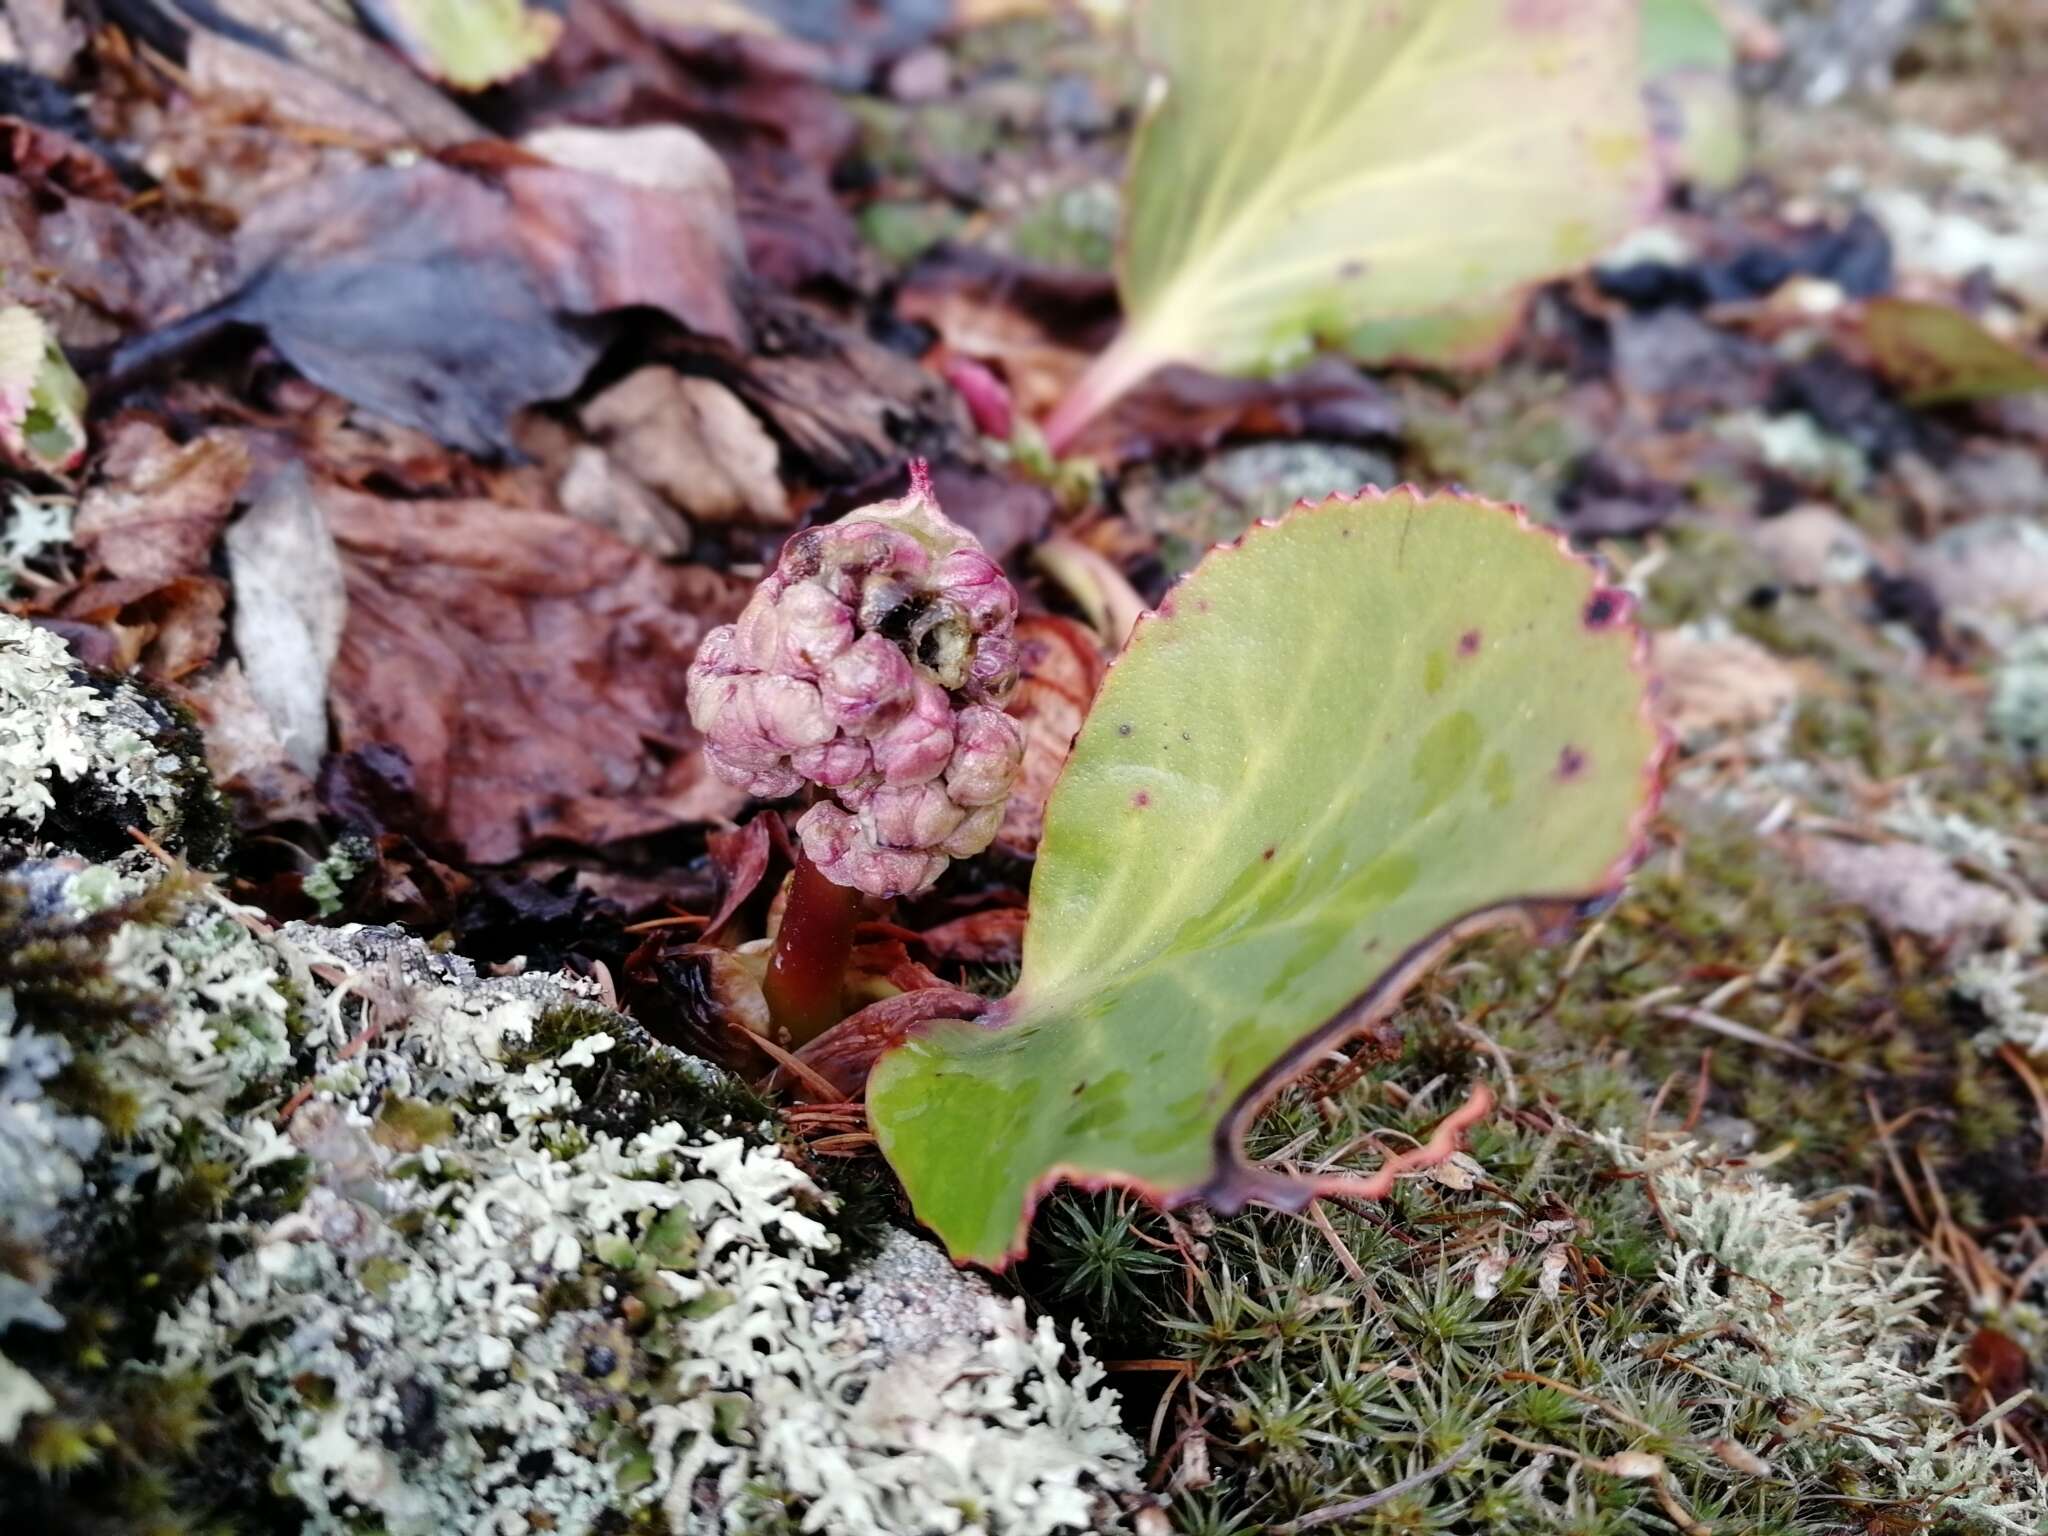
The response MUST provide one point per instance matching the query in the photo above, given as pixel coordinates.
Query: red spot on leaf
(1468, 643)
(1571, 762)
(1267, 854)
(1140, 800)
(1606, 607)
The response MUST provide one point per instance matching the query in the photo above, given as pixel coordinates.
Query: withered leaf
(157, 506)
(1062, 666)
(290, 604)
(449, 299)
(691, 440)
(530, 666)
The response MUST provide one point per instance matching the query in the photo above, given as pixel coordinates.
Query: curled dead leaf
(1061, 667)
(156, 506)
(449, 299)
(692, 442)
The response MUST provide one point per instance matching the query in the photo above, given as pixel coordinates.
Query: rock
(1907, 887)
(1999, 478)
(1995, 568)
(1674, 358)
(469, 1253)
(1814, 546)
(1240, 486)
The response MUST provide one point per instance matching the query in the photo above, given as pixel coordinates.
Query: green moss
(1332, 1359)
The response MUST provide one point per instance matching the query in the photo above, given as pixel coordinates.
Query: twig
(1335, 1512)
(1344, 1255)
(801, 1071)
(1700, 1018)
(1699, 1094)
(2023, 1070)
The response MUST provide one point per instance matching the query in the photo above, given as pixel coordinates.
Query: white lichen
(1785, 1305)
(55, 728)
(1998, 984)
(494, 1312)
(487, 1258)
(32, 528)
(2018, 711)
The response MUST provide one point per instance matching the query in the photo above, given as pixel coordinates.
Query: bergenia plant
(1341, 744)
(869, 670)
(1387, 178)
(42, 402)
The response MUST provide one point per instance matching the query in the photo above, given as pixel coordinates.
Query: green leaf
(1464, 337)
(469, 44)
(1363, 731)
(1305, 171)
(1936, 355)
(1684, 34)
(1689, 73)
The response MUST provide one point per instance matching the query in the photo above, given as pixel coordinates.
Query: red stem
(807, 975)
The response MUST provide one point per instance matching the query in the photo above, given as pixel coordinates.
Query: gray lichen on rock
(82, 758)
(471, 1253)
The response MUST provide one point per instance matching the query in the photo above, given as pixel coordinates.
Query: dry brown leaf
(597, 491)
(1062, 666)
(449, 298)
(853, 408)
(290, 605)
(92, 269)
(982, 938)
(297, 60)
(530, 666)
(693, 442)
(185, 621)
(158, 505)
(245, 754)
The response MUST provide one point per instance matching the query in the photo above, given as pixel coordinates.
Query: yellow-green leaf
(1936, 355)
(469, 44)
(1312, 165)
(42, 401)
(1361, 732)
(1689, 73)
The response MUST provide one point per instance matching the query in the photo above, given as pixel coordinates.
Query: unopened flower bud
(976, 831)
(868, 686)
(992, 675)
(872, 662)
(976, 585)
(910, 816)
(918, 746)
(797, 636)
(788, 712)
(834, 842)
(988, 749)
(836, 764)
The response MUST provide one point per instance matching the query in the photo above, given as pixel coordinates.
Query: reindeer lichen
(457, 1252)
(84, 757)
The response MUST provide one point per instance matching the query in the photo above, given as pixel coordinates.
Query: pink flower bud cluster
(873, 661)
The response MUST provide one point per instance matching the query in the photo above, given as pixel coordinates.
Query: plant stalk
(807, 973)
(1108, 379)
